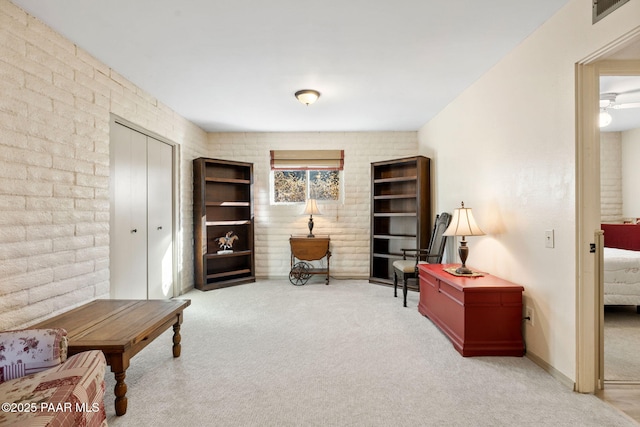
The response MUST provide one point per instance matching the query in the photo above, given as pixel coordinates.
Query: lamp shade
(311, 208)
(463, 224)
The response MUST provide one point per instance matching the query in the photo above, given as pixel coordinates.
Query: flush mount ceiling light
(307, 96)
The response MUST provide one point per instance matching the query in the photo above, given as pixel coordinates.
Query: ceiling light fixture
(307, 96)
(605, 118)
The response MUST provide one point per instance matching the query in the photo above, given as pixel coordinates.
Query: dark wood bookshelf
(400, 212)
(222, 202)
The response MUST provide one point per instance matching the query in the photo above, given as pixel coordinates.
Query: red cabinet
(482, 316)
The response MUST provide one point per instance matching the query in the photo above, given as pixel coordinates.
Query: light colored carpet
(621, 344)
(348, 354)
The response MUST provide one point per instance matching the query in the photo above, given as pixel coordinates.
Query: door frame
(589, 305)
(175, 199)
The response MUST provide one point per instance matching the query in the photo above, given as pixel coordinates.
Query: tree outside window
(298, 185)
(289, 186)
(324, 185)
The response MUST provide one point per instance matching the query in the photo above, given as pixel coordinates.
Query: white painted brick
(73, 191)
(21, 280)
(611, 176)
(73, 270)
(24, 248)
(69, 85)
(49, 260)
(25, 218)
(13, 300)
(23, 156)
(102, 216)
(274, 224)
(91, 228)
(94, 253)
(12, 234)
(102, 239)
(23, 187)
(49, 231)
(12, 170)
(71, 217)
(48, 174)
(45, 73)
(92, 205)
(40, 56)
(49, 204)
(11, 75)
(92, 181)
(70, 243)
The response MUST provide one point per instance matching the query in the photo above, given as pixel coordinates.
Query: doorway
(142, 222)
(620, 155)
(621, 57)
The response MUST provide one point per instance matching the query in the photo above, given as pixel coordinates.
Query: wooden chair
(407, 267)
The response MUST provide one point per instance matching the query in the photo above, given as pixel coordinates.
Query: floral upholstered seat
(29, 351)
(40, 386)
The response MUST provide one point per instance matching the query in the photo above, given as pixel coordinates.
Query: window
(302, 174)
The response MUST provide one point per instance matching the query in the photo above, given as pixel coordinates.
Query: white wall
(347, 223)
(506, 146)
(631, 173)
(54, 169)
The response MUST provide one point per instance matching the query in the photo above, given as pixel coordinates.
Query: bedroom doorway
(620, 57)
(619, 156)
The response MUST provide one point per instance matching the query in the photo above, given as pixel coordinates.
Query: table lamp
(463, 224)
(311, 209)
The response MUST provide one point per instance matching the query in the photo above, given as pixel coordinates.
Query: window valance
(307, 159)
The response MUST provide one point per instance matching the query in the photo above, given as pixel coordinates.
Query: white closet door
(128, 214)
(160, 219)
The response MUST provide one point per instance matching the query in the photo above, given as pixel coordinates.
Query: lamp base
(310, 224)
(463, 270)
(463, 251)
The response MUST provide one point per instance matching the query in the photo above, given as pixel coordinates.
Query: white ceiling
(233, 65)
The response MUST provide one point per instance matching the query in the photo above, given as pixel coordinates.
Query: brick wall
(55, 108)
(348, 222)
(610, 176)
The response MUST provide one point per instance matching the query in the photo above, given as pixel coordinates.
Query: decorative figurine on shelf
(226, 243)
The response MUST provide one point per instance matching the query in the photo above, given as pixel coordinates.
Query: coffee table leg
(120, 390)
(176, 340)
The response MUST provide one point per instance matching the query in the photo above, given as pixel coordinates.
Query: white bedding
(621, 277)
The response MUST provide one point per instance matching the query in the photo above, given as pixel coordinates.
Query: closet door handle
(160, 228)
(135, 230)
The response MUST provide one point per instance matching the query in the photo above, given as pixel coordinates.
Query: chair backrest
(438, 241)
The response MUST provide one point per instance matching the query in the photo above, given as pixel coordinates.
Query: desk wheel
(300, 273)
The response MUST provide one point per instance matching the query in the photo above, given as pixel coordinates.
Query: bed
(621, 264)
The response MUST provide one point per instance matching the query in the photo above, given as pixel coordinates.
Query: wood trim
(587, 219)
(589, 345)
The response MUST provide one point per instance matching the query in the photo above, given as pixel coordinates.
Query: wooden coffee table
(120, 328)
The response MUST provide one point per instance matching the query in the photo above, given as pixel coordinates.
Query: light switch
(548, 239)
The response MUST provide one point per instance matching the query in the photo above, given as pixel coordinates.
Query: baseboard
(559, 376)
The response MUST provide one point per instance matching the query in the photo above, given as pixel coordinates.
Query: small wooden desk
(120, 328)
(311, 249)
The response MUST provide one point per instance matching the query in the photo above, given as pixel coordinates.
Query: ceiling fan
(610, 101)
